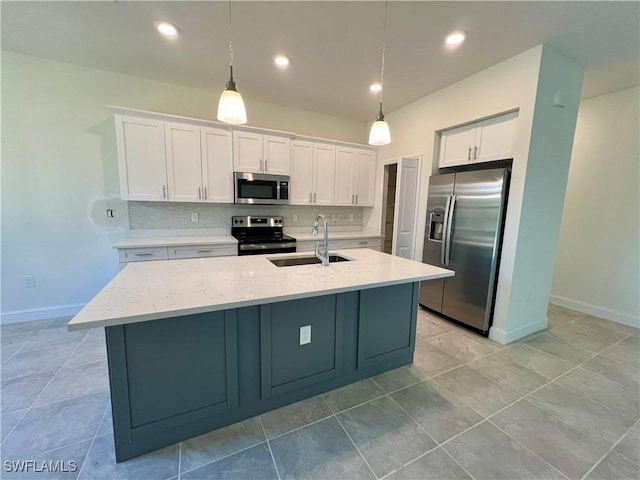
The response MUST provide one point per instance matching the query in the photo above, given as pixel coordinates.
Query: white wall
(59, 173)
(598, 265)
(512, 84)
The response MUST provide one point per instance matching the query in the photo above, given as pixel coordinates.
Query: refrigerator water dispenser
(436, 225)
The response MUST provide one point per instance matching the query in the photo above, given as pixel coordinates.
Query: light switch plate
(305, 334)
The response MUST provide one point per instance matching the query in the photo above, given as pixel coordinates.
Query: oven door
(266, 248)
(255, 188)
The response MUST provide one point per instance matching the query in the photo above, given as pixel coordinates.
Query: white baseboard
(39, 313)
(606, 313)
(501, 336)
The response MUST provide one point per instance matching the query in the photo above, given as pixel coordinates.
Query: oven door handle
(267, 246)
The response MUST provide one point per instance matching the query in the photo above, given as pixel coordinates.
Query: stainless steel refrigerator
(465, 213)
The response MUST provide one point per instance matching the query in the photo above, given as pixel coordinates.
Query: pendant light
(379, 133)
(231, 107)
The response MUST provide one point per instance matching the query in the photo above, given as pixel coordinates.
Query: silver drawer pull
(143, 254)
(205, 251)
(363, 243)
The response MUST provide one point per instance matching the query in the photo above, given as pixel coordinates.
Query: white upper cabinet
(345, 172)
(324, 170)
(491, 139)
(366, 183)
(217, 165)
(257, 153)
(184, 166)
(301, 190)
(355, 177)
(312, 173)
(276, 154)
(141, 158)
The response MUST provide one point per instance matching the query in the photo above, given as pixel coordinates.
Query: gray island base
(197, 344)
(175, 378)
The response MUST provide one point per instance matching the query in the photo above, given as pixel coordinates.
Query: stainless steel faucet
(324, 254)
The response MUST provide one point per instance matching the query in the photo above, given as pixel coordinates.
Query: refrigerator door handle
(443, 252)
(449, 222)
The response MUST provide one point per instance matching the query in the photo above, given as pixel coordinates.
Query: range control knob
(235, 221)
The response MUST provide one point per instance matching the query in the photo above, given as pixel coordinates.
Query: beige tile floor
(564, 403)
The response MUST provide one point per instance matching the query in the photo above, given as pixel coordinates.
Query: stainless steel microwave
(258, 188)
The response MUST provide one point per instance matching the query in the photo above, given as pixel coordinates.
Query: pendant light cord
(230, 45)
(384, 48)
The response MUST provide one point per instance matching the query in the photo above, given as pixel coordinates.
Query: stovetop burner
(261, 234)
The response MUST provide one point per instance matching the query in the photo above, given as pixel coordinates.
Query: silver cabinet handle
(352, 198)
(164, 192)
(475, 153)
(261, 166)
(469, 155)
(205, 251)
(356, 198)
(199, 193)
(363, 243)
(314, 198)
(143, 254)
(310, 197)
(266, 168)
(205, 193)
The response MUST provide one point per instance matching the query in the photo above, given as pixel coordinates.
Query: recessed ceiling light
(281, 61)
(375, 87)
(166, 29)
(455, 38)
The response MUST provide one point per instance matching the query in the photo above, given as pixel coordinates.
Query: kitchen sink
(293, 261)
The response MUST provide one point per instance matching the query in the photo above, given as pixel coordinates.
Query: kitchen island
(194, 345)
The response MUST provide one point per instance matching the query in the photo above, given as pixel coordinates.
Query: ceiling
(335, 47)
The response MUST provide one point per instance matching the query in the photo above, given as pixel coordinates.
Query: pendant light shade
(379, 133)
(231, 106)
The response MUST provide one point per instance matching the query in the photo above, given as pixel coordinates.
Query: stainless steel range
(260, 235)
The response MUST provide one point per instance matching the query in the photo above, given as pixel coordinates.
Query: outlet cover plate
(305, 335)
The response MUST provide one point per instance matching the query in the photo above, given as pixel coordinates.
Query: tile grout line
(457, 462)
(528, 449)
(179, 459)
(223, 457)
(273, 459)
(609, 451)
(39, 395)
(622, 438)
(95, 435)
(355, 446)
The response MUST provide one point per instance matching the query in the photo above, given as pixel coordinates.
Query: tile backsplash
(158, 215)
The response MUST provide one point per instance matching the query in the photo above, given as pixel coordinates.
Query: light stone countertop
(176, 241)
(145, 291)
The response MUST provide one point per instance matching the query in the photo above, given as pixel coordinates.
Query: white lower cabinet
(175, 252)
(201, 251)
(374, 243)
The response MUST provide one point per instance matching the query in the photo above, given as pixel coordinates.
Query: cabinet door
(324, 168)
(457, 146)
(366, 175)
(277, 155)
(184, 170)
(141, 158)
(247, 152)
(345, 171)
(301, 189)
(496, 138)
(217, 165)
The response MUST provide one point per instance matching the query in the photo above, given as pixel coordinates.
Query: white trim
(504, 337)
(40, 313)
(606, 313)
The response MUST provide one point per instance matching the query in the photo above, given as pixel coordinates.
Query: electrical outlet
(351, 217)
(194, 217)
(295, 217)
(333, 218)
(305, 334)
(110, 213)
(29, 281)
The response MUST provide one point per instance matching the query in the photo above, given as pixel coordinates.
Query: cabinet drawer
(373, 243)
(146, 254)
(199, 251)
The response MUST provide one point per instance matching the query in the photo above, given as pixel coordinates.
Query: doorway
(389, 205)
(399, 205)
